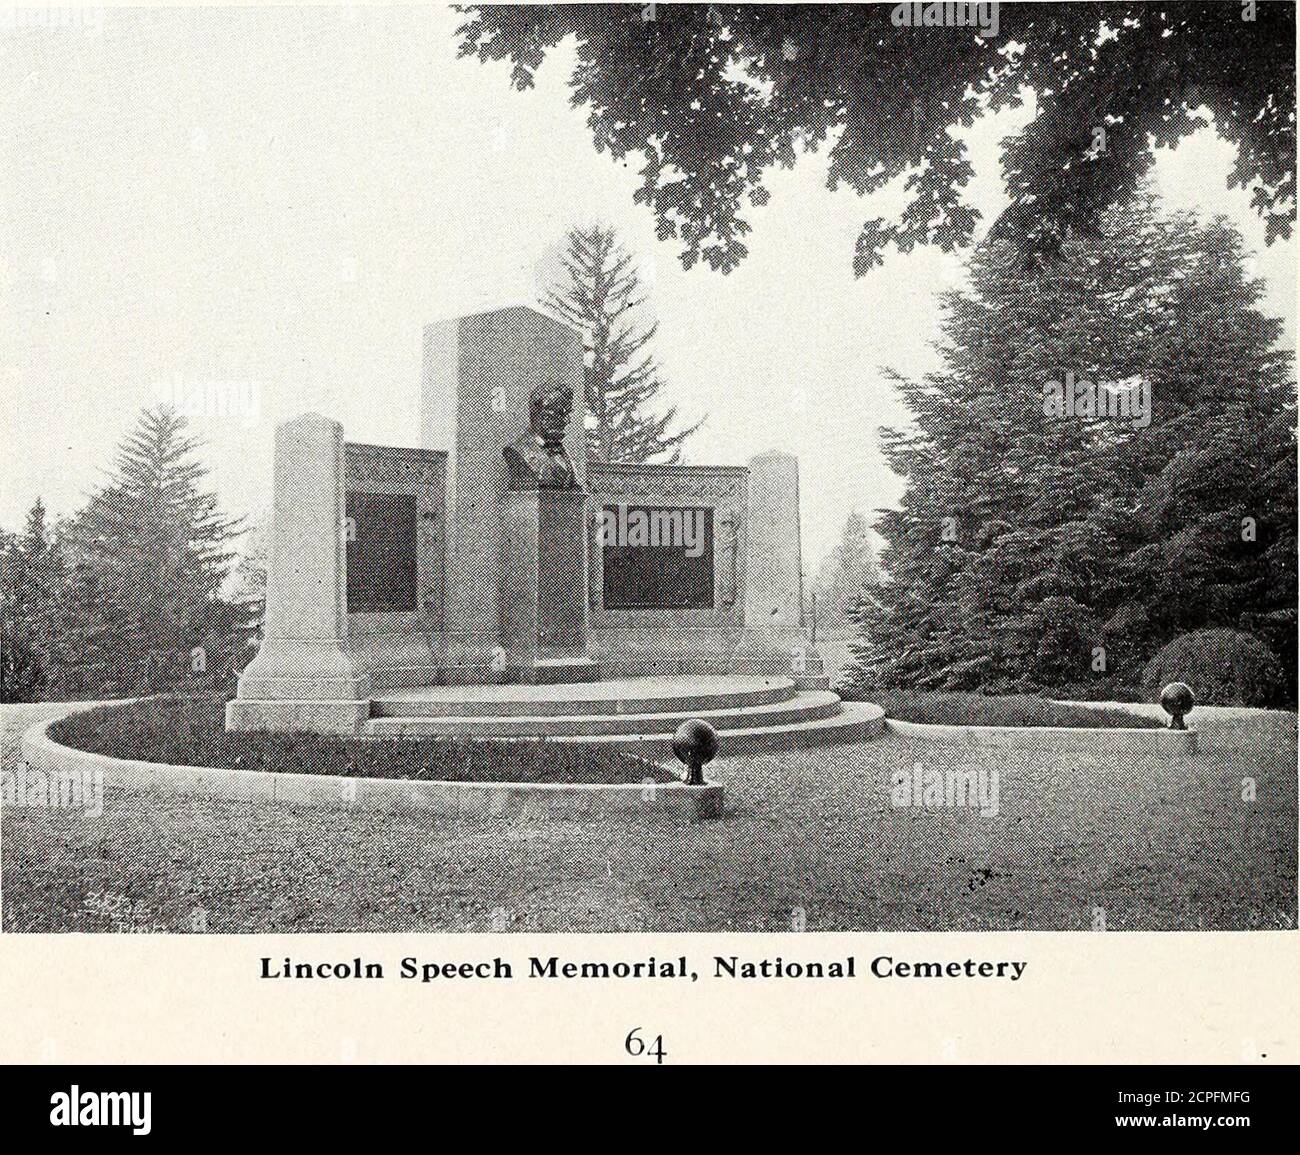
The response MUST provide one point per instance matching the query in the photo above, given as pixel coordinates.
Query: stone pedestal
(543, 608)
(303, 673)
(478, 372)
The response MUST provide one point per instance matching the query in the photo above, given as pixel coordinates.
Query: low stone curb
(456, 799)
(1133, 738)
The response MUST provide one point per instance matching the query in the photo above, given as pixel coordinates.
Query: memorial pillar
(774, 574)
(303, 673)
(775, 638)
(544, 585)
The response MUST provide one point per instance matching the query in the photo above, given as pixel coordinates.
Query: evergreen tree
(600, 294)
(847, 573)
(1034, 547)
(31, 589)
(151, 552)
(250, 572)
(1210, 540)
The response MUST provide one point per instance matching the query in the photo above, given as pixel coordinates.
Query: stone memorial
(495, 557)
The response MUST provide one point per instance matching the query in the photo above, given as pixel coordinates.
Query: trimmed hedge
(191, 731)
(956, 708)
(1223, 668)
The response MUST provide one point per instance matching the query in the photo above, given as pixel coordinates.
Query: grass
(190, 731)
(957, 709)
(1157, 842)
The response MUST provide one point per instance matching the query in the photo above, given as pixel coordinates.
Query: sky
(275, 201)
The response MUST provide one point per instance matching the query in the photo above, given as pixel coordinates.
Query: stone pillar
(303, 676)
(774, 573)
(774, 637)
(478, 372)
(544, 586)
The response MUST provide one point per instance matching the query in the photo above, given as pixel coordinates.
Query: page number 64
(639, 1048)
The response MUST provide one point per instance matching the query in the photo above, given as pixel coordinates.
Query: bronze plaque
(381, 552)
(657, 557)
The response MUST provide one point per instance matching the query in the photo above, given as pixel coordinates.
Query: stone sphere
(1177, 699)
(695, 743)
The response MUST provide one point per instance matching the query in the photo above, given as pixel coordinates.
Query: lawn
(190, 731)
(943, 708)
(1157, 842)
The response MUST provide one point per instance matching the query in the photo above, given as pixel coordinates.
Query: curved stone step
(856, 722)
(623, 696)
(805, 707)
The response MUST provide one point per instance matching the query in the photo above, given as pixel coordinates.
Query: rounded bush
(1223, 668)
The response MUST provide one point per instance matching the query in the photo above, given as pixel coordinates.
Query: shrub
(945, 708)
(190, 731)
(1223, 668)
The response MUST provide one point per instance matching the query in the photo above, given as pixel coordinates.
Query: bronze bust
(538, 459)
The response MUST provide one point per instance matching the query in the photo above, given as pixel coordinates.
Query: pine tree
(151, 552)
(848, 572)
(1037, 549)
(600, 295)
(1210, 541)
(31, 594)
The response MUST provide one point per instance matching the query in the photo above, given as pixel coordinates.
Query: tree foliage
(127, 596)
(31, 588)
(713, 97)
(847, 574)
(600, 295)
(1223, 667)
(250, 573)
(1035, 549)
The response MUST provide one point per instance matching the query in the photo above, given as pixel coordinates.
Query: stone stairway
(751, 713)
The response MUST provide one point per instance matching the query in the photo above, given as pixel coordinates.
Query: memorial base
(294, 668)
(558, 670)
(342, 717)
(544, 585)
